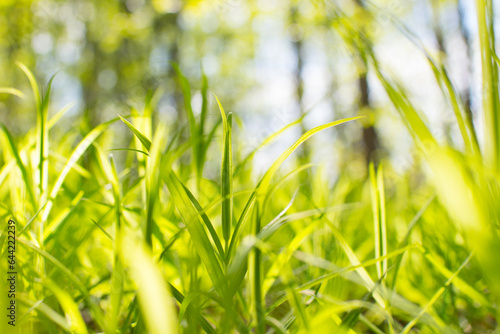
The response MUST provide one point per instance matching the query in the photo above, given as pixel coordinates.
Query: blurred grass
(143, 241)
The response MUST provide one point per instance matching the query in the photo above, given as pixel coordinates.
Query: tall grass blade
(154, 298)
(70, 308)
(263, 184)
(226, 175)
(144, 140)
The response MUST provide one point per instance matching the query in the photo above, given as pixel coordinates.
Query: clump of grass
(136, 239)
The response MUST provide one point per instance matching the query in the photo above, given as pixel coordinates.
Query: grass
(138, 239)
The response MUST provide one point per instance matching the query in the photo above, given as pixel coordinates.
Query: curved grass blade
(12, 91)
(226, 175)
(97, 313)
(191, 218)
(264, 182)
(153, 295)
(69, 306)
(43, 308)
(22, 168)
(33, 83)
(144, 140)
(72, 160)
(441, 290)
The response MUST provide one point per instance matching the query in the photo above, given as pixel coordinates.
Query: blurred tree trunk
(297, 42)
(370, 137)
(304, 151)
(464, 32)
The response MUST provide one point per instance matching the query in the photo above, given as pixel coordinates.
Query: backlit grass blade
(406, 239)
(266, 179)
(22, 168)
(153, 179)
(43, 308)
(96, 311)
(191, 218)
(438, 294)
(69, 306)
(33, 83)
(155, 300)
(460, 284)
(207, 327)
(267, 141)
(72, 160)
(193, 127)
(489, 84)
(206, 220)
(226, 175)
(117, 278)
(144, 140)
(378, 208)
(43, 144)
(12, 91)
(54, 119)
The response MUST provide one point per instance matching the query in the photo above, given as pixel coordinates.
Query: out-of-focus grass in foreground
(138, 239)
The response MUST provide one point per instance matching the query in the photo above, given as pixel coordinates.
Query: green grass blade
(154, 298)
(489, 84)
(193, 127)
(226, 175)
(72, 160)
(144, 140)
(438, 294)
(191, 218)
(47, 311)
(12, 91)
(97, 313)
(153, 179)
(22, 168)
(33, 83)
(266, 179)
(69, 306)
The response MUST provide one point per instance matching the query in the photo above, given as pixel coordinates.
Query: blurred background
(269, 62)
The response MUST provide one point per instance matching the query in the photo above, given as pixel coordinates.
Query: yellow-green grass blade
(193, 221)
(489, 85)
(20, 165)
(284, 257)
(155, 300)
(438, 294)
(226, 175)
(376, 217)
(96, 311)
(117, 277)
(153, 179)
(72, 160)
(193, 127)
(70, 308)
(33, 83)
(207, 327)
(44, 309)
(464, 123)
(406, 239)
(378, 208)
(460, 284)
(263, 185)
(237, 267)
(144, 140)
(42, 149)
(130, 149)
(206, 220)
(12, 91)
(266, 141)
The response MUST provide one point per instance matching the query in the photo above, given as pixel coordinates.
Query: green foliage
(147, 240)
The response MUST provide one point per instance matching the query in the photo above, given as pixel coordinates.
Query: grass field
(141, 238)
